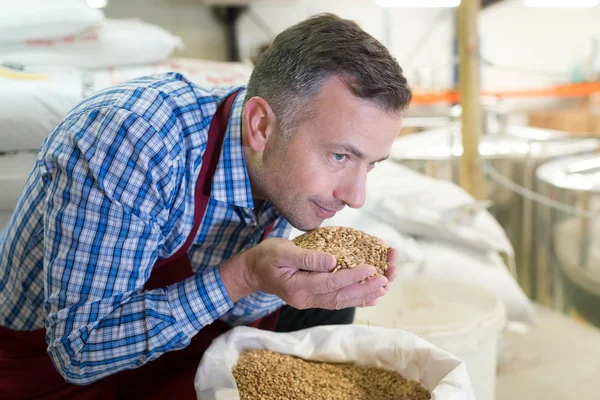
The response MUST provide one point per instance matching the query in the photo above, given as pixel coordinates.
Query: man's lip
(327, 213)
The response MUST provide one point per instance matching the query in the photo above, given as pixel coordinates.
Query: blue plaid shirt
(112, 192)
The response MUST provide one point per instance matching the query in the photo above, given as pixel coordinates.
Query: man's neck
(257, 197)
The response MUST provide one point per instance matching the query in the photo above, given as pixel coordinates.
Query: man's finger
(392, 273)
(310, 260)
(369, 300)
(353, 295)
(392, 255)
(370, 303)
(364, 301)
(329, 283)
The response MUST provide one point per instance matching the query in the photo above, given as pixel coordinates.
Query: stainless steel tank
(568, 235)
(511, 154)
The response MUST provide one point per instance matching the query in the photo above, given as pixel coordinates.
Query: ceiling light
(561, 3)
(418, 3)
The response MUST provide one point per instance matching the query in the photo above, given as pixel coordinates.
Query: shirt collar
(231, 183)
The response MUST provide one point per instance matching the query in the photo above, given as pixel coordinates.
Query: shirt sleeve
(258, 304)
(109, 181)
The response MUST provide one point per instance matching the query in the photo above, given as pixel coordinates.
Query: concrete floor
(558, 359)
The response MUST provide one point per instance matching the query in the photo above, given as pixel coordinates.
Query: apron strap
(177, 267)
(210, 160)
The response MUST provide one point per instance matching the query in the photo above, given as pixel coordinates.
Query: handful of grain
(264, 375)
(351, 247)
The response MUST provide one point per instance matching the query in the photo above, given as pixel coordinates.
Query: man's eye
(339, 157)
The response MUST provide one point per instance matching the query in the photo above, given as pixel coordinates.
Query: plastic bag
(49, 92)
(444, 375)
(117, 42)
(46, 93)
(418, 205)
(202, 72)
(30, 20)
(487, 270)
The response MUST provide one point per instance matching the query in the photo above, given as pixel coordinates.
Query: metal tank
(568, 235)
(511, 155)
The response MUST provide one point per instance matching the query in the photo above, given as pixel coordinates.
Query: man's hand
(392, 271)
(303, 279)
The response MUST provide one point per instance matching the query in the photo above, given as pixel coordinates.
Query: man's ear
(260, 123)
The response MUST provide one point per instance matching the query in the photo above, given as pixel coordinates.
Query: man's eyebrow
(359, 154)
(382, 159)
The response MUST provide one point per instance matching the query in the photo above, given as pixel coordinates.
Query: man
(137, 239)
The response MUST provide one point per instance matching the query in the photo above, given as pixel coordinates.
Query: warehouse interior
(490, 195)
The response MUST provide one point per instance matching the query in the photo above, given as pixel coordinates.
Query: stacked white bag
(53, 54)
(458, 238)
(34, 99)
(26, 21)
(70, 33)
(46, 49)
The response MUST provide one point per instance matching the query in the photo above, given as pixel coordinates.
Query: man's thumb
(316, 261)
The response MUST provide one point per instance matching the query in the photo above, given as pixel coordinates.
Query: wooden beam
(471, 177)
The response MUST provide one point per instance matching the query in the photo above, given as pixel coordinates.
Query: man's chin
(305, 225)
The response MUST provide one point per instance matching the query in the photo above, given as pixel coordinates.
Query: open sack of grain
(441, 374)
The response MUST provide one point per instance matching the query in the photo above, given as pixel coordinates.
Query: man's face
(323, 166)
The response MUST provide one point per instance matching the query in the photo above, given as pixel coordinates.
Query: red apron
(26, 371)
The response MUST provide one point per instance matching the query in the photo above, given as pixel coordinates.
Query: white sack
(34, 99)
(418, 205)
(202, 72)
(441, 373)
(487, 270)
(114, 43)
(40, 20)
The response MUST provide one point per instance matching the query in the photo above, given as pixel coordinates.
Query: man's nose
(353, 190)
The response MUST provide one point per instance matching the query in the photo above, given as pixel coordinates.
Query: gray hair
(301, 58)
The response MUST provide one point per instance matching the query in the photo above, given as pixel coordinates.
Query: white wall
(283, 14)
(551, 40)
(517, 39)
(544, 40)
